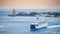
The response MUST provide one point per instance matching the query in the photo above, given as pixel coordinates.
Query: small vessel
(13, 13)
(38, 24)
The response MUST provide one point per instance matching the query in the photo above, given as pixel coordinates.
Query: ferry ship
(38, 24)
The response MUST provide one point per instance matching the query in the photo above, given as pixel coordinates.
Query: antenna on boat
(37, 18)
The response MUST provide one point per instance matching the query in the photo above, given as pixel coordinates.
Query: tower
(13, 13)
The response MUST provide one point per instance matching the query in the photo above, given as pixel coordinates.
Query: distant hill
(25, 14)
(30, 12)
(39, 14)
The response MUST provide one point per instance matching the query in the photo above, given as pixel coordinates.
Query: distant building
(45, 15)
(13, 13)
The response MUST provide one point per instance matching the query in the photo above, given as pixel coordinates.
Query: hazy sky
(20, 4)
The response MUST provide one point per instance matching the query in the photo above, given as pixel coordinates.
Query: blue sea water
(21, 24)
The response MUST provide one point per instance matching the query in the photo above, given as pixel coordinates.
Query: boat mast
(37, 18)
